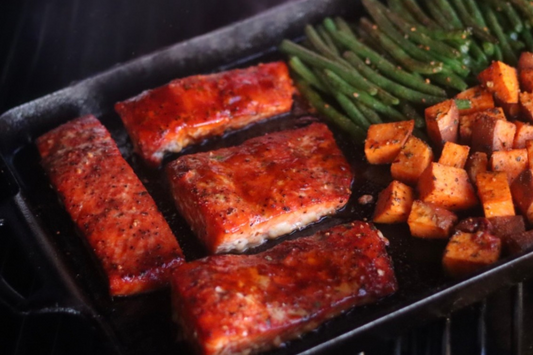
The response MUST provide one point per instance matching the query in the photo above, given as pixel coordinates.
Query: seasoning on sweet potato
(526, 105)
(394, 203)
(522, 191)
(385, 140)
(512, 162)
(479, 97)
(427, 220)
(525, 71)
(475, 164)
(505, 225)
(413, 159)
(502, 80)
(529, 148)
(454, 155)
(468, 252)
(492, 134)
(524, 132)
(517, 242)
(442, 122)
(446, 186)
(495, 194)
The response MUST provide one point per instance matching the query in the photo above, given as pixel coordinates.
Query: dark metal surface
(59, 285)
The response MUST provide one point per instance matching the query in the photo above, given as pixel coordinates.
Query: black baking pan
(69, 277)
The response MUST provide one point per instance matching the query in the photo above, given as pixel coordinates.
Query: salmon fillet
(110, 206)
(228, 304)
(238, 197)
(188, 110)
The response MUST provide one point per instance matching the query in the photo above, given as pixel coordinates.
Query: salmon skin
(110, 206)
(238, 197)
(188, 110)
(237, 304)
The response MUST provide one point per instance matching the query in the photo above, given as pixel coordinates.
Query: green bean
(299, 67)
(516, 46)
(525, 8)
(411, 113)
(387, 68)
(498, 55)
(327, 39)
(420, 15)
(463, 104)
(479, 54)
(492, 22)
(349, 74)
(352, 111)
(395, 88)
(437, 15)
(338, 84)
(477, 31)
(527, 37)
(398, 7)
(449, 13)
(321, 47)
(451, 80)
(512, 16)
(369, 113)
(475, 12)
(399, 54)
(331, 113)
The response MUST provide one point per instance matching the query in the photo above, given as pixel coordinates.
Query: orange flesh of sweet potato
(529, 148)
(495, 194)
(524, 132)
(446, 186)
(427, 220)
(525, 61)
(479, 97)
(526, 105)
(502, 80)
(525, 71)
(413, 159)
(468, 252)
(512, 162)
(467, 122)
(492, 134)
(394, 203)
(476, 163)
(442, 122)
(385, 140)
(522, 191)
(454, 155)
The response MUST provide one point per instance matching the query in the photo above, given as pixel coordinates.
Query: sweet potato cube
(446, 186)
(525, 61)
(526, 105)
(454, 155)
(502, 80)
(524, 132)
(479, 97)
(442, 122)
(394, 203)
(517, 242)
(468, 252)
(492, 134)
(512, 162)
(427, 220)
(385, 140)
(529, 148)
(495, 194)
(476, 163)
(525, 71)
(414, 158)
(505, 225)
(468, 122)
(522, 191)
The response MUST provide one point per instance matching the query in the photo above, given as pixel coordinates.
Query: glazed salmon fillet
(235, 198)
(229, 304)
(188, 110)
(110, 206)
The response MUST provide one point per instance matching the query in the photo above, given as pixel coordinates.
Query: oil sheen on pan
(110, 206)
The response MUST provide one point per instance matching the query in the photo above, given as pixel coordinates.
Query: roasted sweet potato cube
(522, 191)
(468, 122)
(512, 162)
(394, 203)
(524, 132)
(385, 140)
(474, 225)
(495, 194)
(529, 148)
(454, 155)
(525, 71)
(517, 242)
(427, 220)
(446, 186)
(525, 61)
(502, 80)
(414, 158)
(479, 97)
(442, 121)
(505, 225)
(526, 105)
(492, 134)
(468, 252)
(475, 164)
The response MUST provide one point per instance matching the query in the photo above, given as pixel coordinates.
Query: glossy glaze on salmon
(188, 110)
(110, 206)
(238, 197)
(228, 304)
